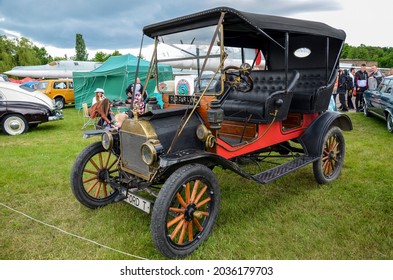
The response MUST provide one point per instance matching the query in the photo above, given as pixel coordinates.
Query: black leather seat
(259, 105)
(311, 94)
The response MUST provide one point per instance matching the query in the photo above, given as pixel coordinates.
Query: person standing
(361, 77)
(350, 88)
(375, 77)
(335, 87)
(342, 89)
(139, 96)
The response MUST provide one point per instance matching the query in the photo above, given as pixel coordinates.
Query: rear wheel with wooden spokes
(93, 165)
(185, 210)
(328, 167)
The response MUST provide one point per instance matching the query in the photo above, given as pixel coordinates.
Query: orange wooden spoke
(200, 194)
(177, 229)
(98, 189)
(175, 220)
(100, 159)
(188, 193)
(335, 149)
(90, 179)
(181, 200)
(176, 210)
(203, 202)
(104, 189)
(107, 160)
(190, 231)
(90, 171)
(324, 167)
(325, 158)
(183, 233)
(327, 143)
(197, 224)
(335, 144)
(112, 164)
(94, 164)
(92, 186)
(330, 168)
(201, 213)
(194, 190)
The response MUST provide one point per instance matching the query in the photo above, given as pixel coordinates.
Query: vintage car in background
(162, 162)
(22, 108)
(379, 102)
(61, 90)
(3, 78)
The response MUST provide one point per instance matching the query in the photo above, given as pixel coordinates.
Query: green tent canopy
(114, 76)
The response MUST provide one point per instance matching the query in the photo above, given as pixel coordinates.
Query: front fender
(312, 138)
(92, 133)
(175, 160)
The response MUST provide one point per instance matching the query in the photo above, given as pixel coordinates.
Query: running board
(283, 169)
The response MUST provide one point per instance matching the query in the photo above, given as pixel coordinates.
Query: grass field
(291, 218)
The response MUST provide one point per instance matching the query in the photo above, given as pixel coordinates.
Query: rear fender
(312, 138)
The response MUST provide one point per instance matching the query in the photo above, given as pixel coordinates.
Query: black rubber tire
(180, 225)
(60, 102)
(328, 167)
(14, 124)
(87, 175)
(389, 122)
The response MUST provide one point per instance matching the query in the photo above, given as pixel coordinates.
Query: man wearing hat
(99, 96)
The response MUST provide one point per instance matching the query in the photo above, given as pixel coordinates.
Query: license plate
(138, 202)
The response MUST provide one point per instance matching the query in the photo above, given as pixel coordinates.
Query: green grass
(291, 218)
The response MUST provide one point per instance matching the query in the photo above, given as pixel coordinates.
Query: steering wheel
(239, 77)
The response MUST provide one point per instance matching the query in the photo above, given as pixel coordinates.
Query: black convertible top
(237, 23)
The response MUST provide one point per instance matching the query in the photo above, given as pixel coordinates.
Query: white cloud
(365, 23)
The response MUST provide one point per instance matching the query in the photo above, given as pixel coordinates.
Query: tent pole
(137, 68)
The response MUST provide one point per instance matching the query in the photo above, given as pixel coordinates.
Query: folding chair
(87, 121)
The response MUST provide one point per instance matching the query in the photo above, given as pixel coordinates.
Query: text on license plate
(138, 202)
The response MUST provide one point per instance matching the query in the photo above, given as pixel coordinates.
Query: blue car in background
(32, 84)
(379, 102)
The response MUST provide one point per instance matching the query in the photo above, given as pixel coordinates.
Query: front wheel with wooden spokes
(328, 167)
(93, 165)
(185, 210)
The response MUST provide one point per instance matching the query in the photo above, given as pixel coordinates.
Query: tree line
(22, 52)
(382, 55)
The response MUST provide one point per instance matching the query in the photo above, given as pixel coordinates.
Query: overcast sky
(117, 24)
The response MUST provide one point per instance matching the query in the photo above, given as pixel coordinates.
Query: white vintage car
(22, 108)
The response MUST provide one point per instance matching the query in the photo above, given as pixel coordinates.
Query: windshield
(42, 85)
(187, 51)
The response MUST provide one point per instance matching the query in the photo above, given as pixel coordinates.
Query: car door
(70, 92)
(374, 101)
(377, 98)
(386, 100)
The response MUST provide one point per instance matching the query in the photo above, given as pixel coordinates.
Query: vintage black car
(379, 102)
(22, 108)
(162, 162)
